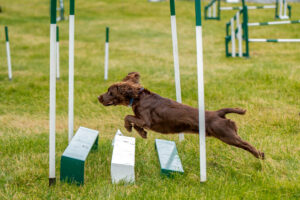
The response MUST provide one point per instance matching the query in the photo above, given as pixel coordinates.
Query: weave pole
(200, 91)
(106, 54)
(8, 54)
(57, 53)
(71, 69)
(52, 109)
(175, 56)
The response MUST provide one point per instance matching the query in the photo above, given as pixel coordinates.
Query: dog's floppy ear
(133, 77)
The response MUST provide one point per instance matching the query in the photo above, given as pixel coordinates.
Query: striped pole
(249, 7)
(274, 40)
(273, 23)
(106, 54)
(232, 37)
(71, 69)
(8, 54)
(175, 56)
(57, 52)
(52, 108)
(201, 104)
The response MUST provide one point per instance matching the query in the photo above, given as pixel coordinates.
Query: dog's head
(121, 93)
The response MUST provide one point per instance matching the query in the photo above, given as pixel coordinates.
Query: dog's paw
(128, 128)
(262, 155)
(143, 134)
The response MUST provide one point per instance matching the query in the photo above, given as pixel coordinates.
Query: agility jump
(239, 32)
(212, 11)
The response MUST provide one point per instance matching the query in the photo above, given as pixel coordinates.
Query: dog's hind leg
(238, 142)
(226, 131)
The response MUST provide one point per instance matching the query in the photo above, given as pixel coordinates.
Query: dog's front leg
(138, 124)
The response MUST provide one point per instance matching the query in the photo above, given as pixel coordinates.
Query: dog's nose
(100, 98)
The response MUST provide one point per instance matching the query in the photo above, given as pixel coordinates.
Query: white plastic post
(285, 9)
(8, 61)
(71, 76)
(8, 54)
(52, 108)
(280, 9)
(232, 37)
(215, 9)
(57, 53)
(106, 60)
(106, 54)
(239, 34)
(176, 57)
(209, 12)
(201, 105)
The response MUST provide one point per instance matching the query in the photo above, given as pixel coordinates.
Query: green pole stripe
(53, 12)
(172, 7)
(6, 34)
(263, 23)
(57, 34)
(107, 34)
(198, 12)
(272, 40)
(72, 7)
(295, 21)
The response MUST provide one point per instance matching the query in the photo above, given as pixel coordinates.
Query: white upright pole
(285, 9)
(106, 54)
(209, 11)
(175, 56)
(57, 53)
(71, 68)
(201, 104)
(232, 37)
(239, 34)
(280, 9)
(8, 54)
(52, 112)
(215, 9)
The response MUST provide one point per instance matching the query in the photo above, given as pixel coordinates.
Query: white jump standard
(52, 109)
(175, 56)
(241, 33)
(106, 54)
(201, 105)
(8, 54)
(71, 68)
(280, 7)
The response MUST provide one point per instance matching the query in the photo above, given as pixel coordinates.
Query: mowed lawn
(267, 85)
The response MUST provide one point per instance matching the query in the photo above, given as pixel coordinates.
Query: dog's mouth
(109, 104)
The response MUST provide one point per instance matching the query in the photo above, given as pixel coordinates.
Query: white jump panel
(123, 159)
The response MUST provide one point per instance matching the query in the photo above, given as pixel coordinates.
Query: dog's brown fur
(163, 115)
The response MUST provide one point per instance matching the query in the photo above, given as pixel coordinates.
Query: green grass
(267, 85)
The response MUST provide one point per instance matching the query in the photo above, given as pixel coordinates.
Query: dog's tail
(224, 111)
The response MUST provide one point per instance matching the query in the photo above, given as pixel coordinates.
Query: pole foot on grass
(52, 181)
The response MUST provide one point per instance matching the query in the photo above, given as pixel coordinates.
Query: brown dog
(163, 115)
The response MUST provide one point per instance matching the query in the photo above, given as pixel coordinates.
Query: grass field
(267, 85)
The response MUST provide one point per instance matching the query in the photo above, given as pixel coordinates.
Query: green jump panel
(74, 157)
(168, 157)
